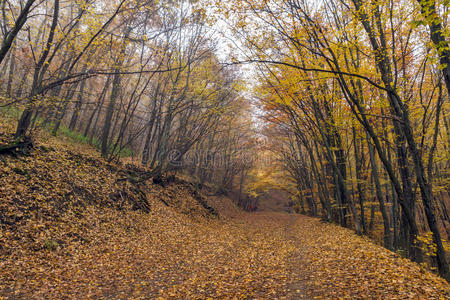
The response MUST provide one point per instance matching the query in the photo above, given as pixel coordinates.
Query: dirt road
(259, 255)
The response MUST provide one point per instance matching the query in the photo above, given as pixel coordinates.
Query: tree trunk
(386, 225)
(11, 35)
(114, 95)
(39, 70)
(11, 72)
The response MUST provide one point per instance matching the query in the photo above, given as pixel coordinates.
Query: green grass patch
(10, 112)
(79, 138)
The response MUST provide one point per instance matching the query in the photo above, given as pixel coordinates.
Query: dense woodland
(134, 78)
(343, 104)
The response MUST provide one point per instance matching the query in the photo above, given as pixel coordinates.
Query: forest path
(257, 255)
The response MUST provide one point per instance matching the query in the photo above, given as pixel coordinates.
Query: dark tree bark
(359, 179)
(114, 95)
(98, 107)
(77, 107)
(429, 12)
(11, 73)
(376, 179)
(11, 35)
(39, 70)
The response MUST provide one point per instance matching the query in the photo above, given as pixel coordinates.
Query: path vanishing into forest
(258, 255)
(137, 138)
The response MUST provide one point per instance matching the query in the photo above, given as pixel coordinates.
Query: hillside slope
(58, 181)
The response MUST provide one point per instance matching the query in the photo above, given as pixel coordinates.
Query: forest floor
(259, 255)
(73, 226)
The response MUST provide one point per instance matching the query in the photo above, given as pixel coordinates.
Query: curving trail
(259, 255)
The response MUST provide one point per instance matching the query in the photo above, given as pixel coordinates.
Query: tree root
(17, 147)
